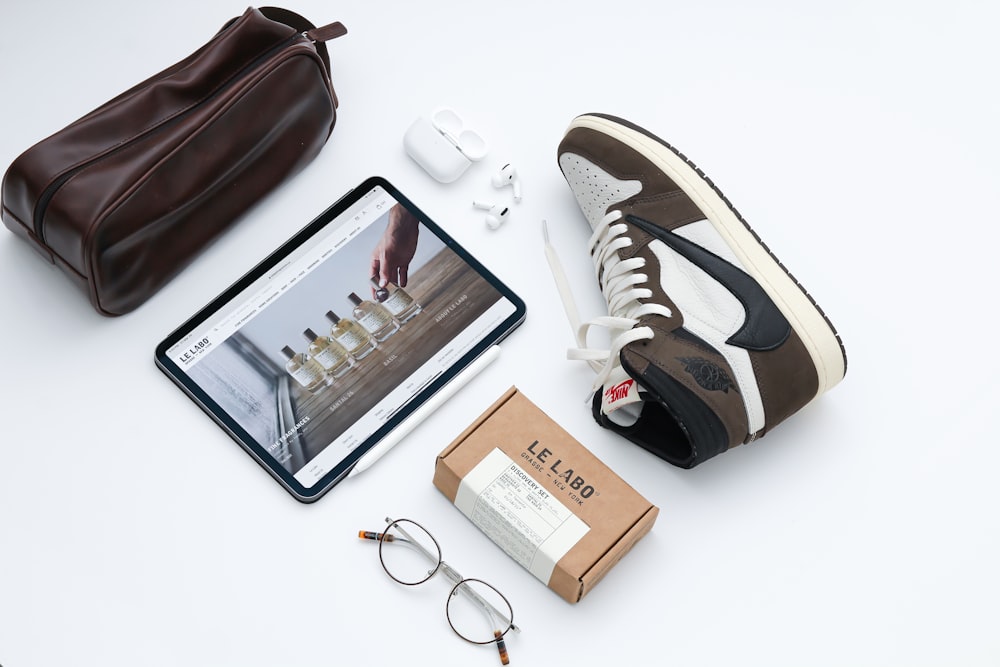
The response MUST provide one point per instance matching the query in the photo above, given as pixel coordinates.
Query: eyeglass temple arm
(501, 648)
(390, 537)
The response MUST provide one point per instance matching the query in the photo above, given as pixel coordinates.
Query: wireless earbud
(494, 220)
(507, 175)
(495, 217)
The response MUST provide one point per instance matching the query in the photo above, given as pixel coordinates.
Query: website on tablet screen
(315, 356)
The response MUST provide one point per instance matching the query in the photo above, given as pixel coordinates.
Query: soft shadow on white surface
(858, 140)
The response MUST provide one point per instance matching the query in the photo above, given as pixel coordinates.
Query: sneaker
(713, 342)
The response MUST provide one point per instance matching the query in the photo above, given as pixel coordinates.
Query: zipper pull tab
(327, 32)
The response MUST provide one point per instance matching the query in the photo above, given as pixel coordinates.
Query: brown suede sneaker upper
(730, 362)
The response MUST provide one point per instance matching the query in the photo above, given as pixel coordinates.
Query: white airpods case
(443, 146)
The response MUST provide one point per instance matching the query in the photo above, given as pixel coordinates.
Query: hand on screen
(391, 257)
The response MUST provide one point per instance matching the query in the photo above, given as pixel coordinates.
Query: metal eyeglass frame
(498, 619)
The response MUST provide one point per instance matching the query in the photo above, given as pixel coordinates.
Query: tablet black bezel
(233, 428)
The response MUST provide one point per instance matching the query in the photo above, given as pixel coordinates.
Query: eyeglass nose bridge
(448, 571)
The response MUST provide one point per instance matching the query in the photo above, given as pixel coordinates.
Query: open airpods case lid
(468, 142)
(443, 146)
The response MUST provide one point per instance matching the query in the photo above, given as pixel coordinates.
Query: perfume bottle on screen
(305, 370)
(358, 342)
(397, 301)
(374, 317)
(328, 353)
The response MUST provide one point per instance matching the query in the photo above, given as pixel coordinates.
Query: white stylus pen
(421, 413)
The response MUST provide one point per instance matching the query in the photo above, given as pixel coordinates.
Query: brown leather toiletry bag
(124, 198)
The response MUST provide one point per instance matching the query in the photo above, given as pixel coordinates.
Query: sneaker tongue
(619, 391)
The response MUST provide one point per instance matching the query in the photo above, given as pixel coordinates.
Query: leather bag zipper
(41, 206)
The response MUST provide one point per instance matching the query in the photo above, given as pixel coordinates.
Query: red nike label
(618, 392)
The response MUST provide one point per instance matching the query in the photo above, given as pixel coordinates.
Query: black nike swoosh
(765, 328)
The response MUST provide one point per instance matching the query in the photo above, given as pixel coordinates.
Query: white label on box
(513, 509)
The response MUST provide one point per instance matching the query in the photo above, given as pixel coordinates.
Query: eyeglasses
(476, 611)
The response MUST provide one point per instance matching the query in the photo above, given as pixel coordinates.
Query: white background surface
(859, 140)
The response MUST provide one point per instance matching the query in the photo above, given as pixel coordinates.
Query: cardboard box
(544, 498)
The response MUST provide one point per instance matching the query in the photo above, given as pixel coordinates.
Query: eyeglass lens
(409, 554)
(473, 608)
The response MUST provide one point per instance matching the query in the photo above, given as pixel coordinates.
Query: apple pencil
(421, 413)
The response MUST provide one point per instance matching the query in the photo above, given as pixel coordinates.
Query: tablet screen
(308, 360)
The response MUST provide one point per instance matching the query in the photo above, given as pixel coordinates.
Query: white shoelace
(622, 286)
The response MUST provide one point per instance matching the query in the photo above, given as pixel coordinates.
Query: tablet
(307, 362)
